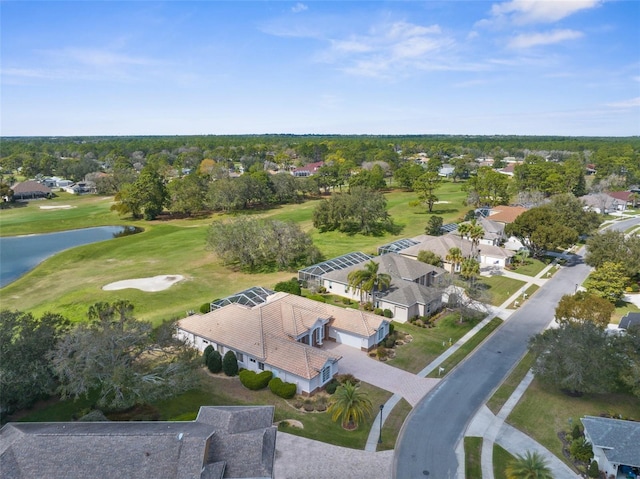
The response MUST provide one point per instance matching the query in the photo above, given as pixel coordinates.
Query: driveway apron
(409, 386)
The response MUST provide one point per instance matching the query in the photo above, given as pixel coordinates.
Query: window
(326, 374)
(381, 332)
(240, 357)
(261, 366)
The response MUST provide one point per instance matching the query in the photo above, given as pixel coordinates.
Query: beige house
(285, 335)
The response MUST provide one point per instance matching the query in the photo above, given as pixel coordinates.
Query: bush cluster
(205, 308)
(254, 381)
(214, 362)
(230, 364)
(282, 389)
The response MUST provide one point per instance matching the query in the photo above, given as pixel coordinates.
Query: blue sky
(529, 67)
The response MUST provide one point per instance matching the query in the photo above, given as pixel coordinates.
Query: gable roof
(269, 331)
(441, 245)
(393, 264)
(629, 320)
(506, 214)
(240, 442)
(620, 195)
(620, 440)
(408, 294)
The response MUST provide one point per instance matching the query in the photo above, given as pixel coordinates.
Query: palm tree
(530, 466)
(368, 280)
(455, 258)
(350, 405)
(469, 269)
(474, 232)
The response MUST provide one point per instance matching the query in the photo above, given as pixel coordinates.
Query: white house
(411, 292)
(285, 335)
(615, 444)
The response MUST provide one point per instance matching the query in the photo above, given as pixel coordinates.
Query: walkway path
(493, 429)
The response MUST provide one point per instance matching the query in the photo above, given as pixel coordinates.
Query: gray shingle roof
(629, 319)
(144, 449)
(619, 439)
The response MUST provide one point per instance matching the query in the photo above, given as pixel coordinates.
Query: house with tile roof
(615, 444)
(284, 335)
(30, 190)
(309, 169)
(411, 292)
(222, 442)
(488, 255)
(505, 214)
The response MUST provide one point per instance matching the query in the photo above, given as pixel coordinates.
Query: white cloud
(630, 103)
(523, 12)
(299, 7)
(96, 57)
(528, 40)
(390, 48)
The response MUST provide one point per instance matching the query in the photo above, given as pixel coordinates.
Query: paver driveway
(397, 381)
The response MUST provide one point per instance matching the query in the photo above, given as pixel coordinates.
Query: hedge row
(282, 389)
(253, 381)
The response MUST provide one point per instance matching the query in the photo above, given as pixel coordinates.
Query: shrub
(292, 286)
(252, 380)
(387, 313)
(390, 342)
(346, 301)
(298, 402)
(322, 290)
(316, 297)
(214, 362)
(332, 386)
(230, 364)
(282, 389)
(392, 327)
(381, 353)
(206, 353)
(367, 307)
(321, 403)
(308, 405)
(576, 433)
(205, 308)
(346, 378)
(580, 450)
(378, 311)
(594, 470)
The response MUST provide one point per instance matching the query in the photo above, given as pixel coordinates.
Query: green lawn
(392, 425)
(544, 411)
(531, 267)
(428, 343)
(71, 281)
(501, 458)
(472, 453)
(500, 288)
(467, 347)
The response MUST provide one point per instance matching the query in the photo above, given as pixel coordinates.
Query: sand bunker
(57, 207)
(150, 285)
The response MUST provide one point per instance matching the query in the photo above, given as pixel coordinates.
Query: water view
(20, 254)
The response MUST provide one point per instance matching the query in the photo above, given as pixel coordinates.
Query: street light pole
(380, 436)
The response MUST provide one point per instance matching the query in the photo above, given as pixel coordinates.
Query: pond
(20, 254)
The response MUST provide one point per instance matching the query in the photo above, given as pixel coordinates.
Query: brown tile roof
(620, 195)
(30, 186)
(269, 331)
(506, 214)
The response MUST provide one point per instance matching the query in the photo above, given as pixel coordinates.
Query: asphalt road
(426, 444)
